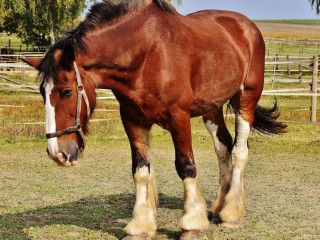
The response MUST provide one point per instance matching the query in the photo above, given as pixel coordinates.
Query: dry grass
(94, 200)
(289, 31)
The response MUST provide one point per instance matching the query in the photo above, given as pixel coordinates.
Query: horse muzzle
(66, 157)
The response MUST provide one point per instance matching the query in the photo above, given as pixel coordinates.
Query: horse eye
(67, 93)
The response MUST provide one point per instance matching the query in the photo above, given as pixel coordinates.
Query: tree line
(41, 22)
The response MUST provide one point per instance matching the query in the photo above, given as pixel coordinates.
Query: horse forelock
(48, 68)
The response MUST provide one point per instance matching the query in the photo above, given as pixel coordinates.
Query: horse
(163, 68)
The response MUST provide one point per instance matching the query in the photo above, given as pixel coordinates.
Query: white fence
(277, 66)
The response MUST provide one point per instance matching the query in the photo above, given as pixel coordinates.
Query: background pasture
(94, 200)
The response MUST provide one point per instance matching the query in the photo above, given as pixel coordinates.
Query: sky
(254, 9)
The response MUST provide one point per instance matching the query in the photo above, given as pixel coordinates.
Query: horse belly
(200, 107)
(215, 81)
(213, 102)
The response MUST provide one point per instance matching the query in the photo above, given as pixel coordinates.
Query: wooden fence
(311, 66)
(294, 68)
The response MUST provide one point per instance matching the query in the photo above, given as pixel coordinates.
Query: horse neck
(116, 53)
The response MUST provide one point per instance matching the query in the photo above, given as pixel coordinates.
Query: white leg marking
(225, 168)
(234, 209)
(240, 153)
(240, 150)
(144, 210)
(220, 148)
(195, 210)
(50, 119)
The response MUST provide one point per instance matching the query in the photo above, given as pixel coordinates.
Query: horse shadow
(108, 214)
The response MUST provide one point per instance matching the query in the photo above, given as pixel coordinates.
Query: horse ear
(33, 62)
(65, 57)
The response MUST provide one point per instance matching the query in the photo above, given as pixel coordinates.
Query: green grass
(15, 43)
(292, 21)
(292, 50)
(94, 200)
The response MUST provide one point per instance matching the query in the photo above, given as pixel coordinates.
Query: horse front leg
(143, 224)
(194, 220)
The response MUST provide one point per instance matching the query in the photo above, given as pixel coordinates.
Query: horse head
(69, 99)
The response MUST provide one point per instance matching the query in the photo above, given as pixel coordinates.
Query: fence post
(300, 71)
(314, 89)
(288, 65)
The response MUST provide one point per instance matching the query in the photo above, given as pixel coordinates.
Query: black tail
(265, 120)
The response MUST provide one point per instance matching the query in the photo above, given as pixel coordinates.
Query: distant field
(292, 21)
(290, 29)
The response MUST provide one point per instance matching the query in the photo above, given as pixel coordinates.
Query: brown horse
(163, 69)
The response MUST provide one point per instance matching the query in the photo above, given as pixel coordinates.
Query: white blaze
(50, 119)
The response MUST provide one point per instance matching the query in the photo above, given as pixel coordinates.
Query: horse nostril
(69, 158)
(66, 156)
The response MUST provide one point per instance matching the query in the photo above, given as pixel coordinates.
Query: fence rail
(278, 65)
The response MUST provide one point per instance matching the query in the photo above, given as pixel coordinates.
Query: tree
(315, 4)
(40, 21)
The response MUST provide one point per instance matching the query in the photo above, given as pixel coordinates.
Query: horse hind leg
(222, 139)
(248, 115)
(244, 104)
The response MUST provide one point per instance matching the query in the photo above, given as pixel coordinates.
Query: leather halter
(76, 126)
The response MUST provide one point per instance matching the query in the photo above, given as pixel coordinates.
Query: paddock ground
(94, 200)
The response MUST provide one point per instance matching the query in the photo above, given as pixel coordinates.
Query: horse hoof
(137, 237)
(193, 235)
(237, 224)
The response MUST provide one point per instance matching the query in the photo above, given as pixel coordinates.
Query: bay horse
(163, 68)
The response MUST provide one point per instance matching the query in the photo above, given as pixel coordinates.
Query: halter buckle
(80, 89)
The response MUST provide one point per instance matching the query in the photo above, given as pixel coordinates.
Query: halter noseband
(76, 126)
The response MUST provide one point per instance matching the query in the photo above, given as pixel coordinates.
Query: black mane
(98, 15)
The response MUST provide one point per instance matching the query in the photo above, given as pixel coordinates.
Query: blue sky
(255, 9)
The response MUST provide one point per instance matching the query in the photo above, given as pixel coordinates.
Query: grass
(292, 21)
(13, 42)
(94, 200)
(289, 49)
